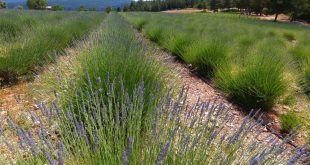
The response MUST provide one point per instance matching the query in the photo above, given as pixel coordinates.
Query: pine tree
(214, 5)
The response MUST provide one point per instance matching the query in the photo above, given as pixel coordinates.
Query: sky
(73, 4)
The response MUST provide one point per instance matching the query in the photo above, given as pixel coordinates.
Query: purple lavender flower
(11, 123)
(163, 153)
(60, 153)
(44, 139)
(58, 111)
(31, 143)
(127, 152)
(48, 157)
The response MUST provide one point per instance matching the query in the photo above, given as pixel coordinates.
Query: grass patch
(289, 122)
(289, 36)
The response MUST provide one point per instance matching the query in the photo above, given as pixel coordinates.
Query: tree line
(296, 9)
(42, 5)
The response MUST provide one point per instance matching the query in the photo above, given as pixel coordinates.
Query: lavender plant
(179, 134)
(120, 118)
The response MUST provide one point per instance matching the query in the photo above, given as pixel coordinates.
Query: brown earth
(180, 11)
(281, 18)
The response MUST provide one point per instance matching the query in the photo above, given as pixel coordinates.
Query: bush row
(38, 45)
(247, 63)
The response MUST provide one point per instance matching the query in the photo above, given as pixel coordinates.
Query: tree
(243, 5)
(2, 4)
(227, 4)
(126, 8)
(300, 9)
(82, 8)
(279, 6)
(37, 4)
(57, 8)
(214, 5)
(108, 9)
(257, 6)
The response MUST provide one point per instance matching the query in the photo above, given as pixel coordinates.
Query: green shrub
(207, 57)
(155, 34)
(259, 85)
(57, 8)
(140, 24)
(9, 28)
(289, 122)
(289, 36)
(177, 44)
(306, 80)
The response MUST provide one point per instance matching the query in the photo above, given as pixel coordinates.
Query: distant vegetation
(247, 58)
(2, 4)
(30, 39)
(297, 9)
(57, 8)
(37, 4)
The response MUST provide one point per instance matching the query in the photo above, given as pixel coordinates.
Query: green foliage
(37, 4)
(306, 80)
(214, 5)
(207, 57)
(140, 24)
(82, 8)
(289, 122)
(36, 47)
(289, 36)
(121, 60)
(115, 109)
(289, 100)
(2, 4)
(259, 85)
(57, 8)
(108, 9)
(9, 28)
(178, 43)
(248, 63)
(155, 34)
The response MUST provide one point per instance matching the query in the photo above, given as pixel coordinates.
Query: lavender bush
(178, 134)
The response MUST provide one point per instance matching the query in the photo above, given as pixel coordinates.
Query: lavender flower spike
(163, 153)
